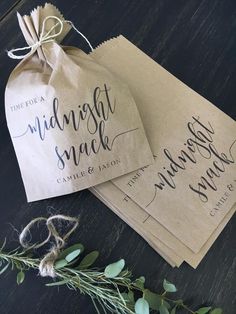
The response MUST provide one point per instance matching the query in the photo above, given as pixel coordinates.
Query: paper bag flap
(31, 25)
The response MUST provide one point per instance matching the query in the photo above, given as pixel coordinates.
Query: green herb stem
(105, 288)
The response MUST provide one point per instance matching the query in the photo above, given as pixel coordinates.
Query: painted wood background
(196, 41)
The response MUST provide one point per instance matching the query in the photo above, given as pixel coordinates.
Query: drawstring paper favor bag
(73, 124)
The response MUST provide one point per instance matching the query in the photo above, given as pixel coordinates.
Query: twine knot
(46, 266)
(46, 38)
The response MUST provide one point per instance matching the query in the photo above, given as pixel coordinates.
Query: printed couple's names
(92, 117)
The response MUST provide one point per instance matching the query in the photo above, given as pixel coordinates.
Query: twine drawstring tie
(48, 37)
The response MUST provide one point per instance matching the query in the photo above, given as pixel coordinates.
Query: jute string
(46, 266)
(46, 38)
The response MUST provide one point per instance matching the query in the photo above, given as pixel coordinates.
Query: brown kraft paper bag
(194, 147)
(73, 124)
(149, 228)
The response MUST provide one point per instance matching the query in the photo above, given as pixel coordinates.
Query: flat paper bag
(163, 250)
(73, 123)
(147, 226)
(191, 186)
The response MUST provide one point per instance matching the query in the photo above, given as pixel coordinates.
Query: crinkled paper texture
(73, 123)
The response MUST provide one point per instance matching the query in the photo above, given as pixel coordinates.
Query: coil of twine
(46, 266)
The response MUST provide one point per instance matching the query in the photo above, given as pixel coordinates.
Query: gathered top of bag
(39, 29)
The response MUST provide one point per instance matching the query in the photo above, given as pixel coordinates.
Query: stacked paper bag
(182, 202)
(157, 153)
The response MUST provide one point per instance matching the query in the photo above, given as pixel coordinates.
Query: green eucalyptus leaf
(168, 286)
(20, 277)
(71, 256)
(4, 269)
(60, 263)
(141, 306)
(163, 309)
(88, 260)
(113, 270)
(153, 299)
(204, 310)
(71, 249)
(216, 311)
(139, 282)
(57, 283)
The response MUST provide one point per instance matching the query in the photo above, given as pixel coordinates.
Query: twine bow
(46, 38)
(46, 266)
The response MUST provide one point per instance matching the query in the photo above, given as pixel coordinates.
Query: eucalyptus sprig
(111, 290)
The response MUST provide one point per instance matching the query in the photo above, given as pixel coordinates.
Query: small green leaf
(71, 256)
(113, 270)
(204, 310)
(20, 277)
(141, 306)
(216, 311)
(60, 263)
(163, 309)
(4, 269)
(88, 260)
(71, 249)
(169, 287)
(153, 299)
(139, 282)
(57, 283)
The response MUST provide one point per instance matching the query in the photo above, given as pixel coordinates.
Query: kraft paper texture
(145, 225)
(191, 186)
(73, 123)
(163, 250)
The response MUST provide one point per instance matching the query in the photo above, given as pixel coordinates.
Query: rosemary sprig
(111, 290)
